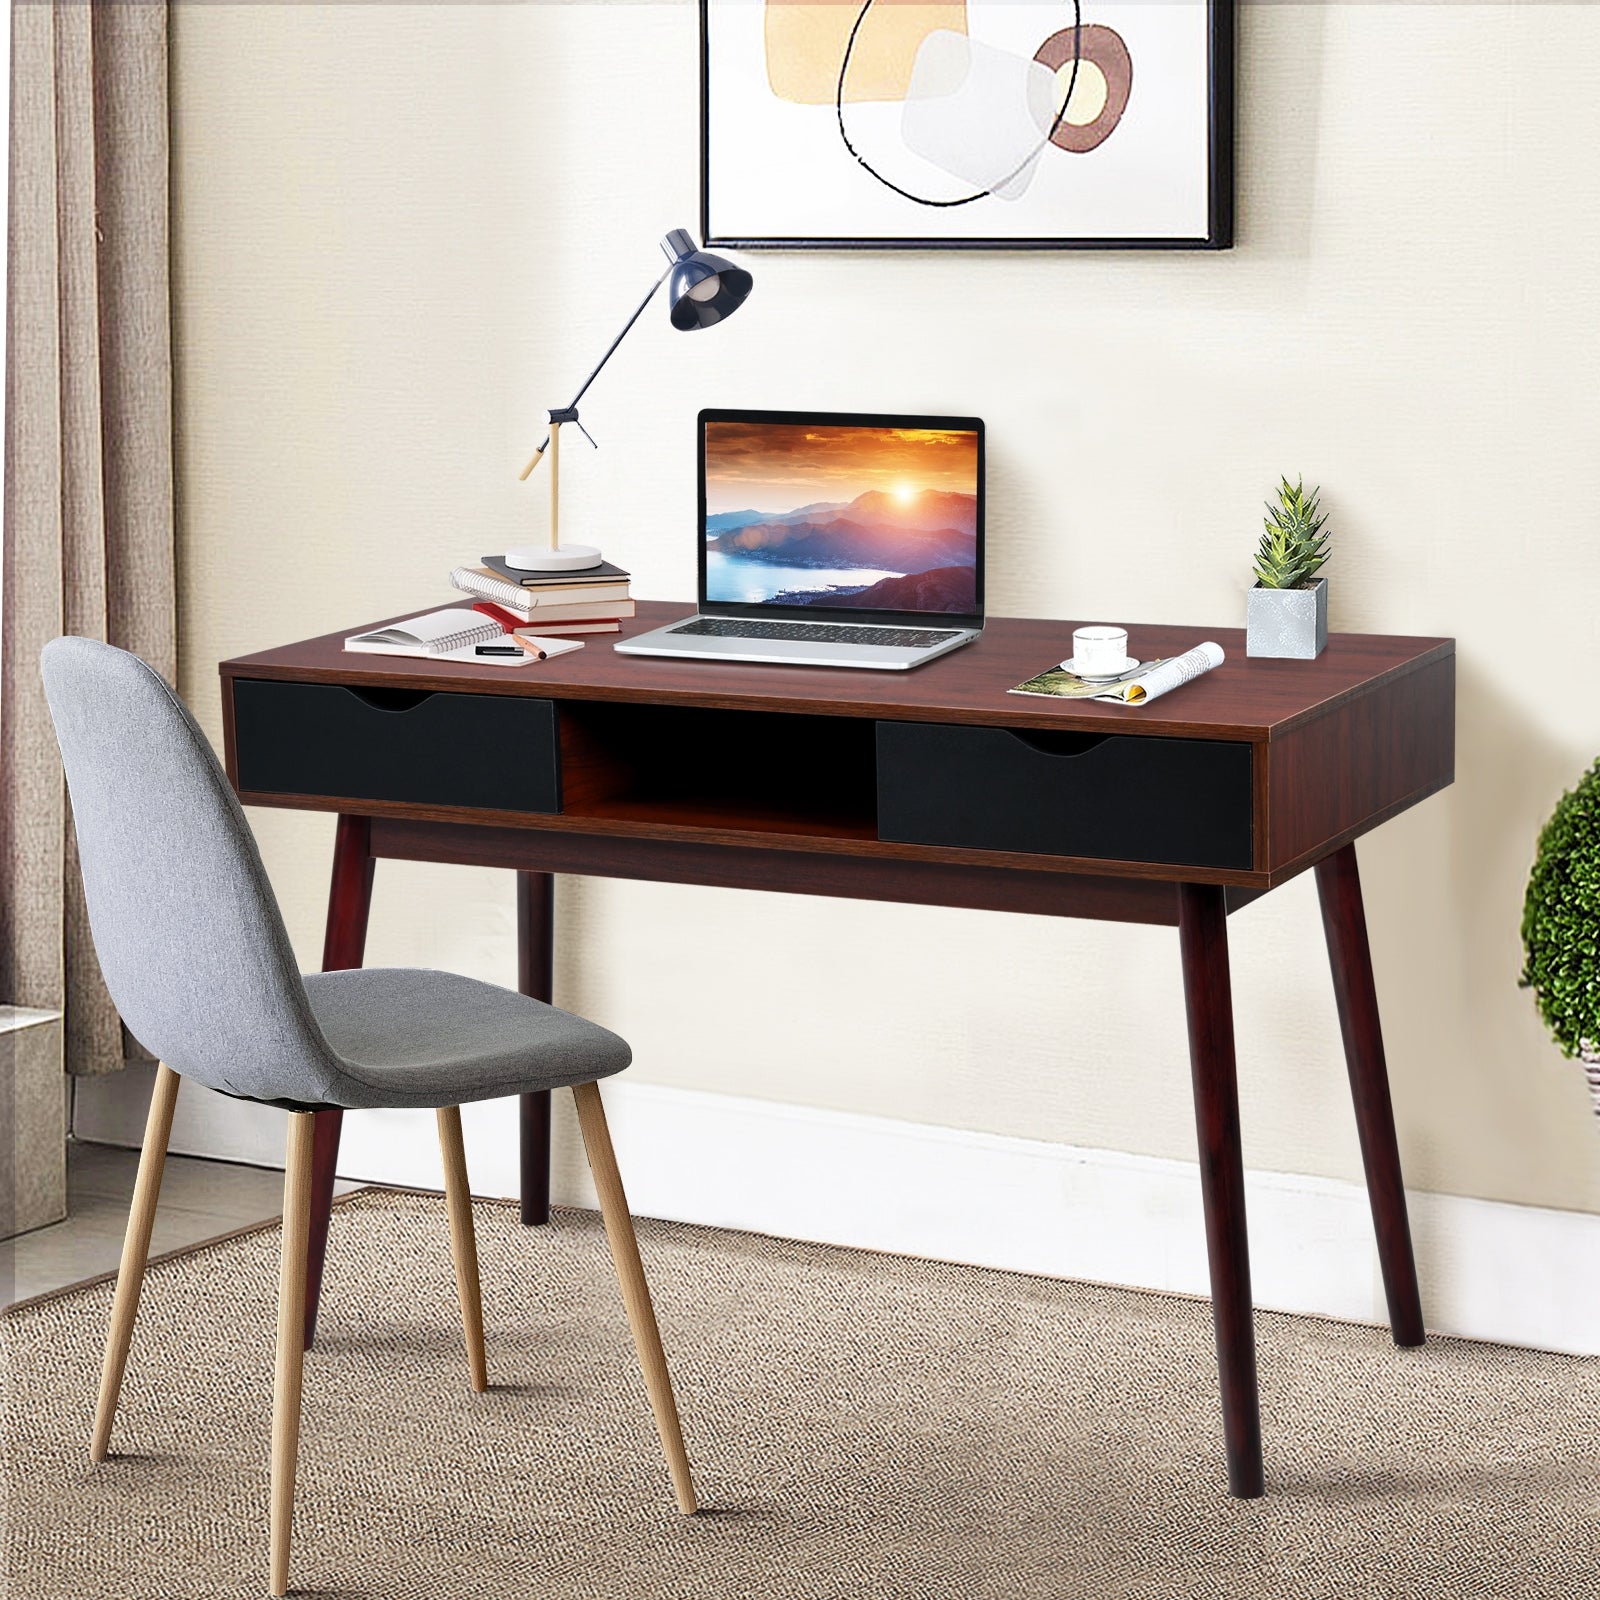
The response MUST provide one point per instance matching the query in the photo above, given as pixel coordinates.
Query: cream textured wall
(403, 230)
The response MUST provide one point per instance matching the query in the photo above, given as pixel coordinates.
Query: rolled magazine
(1165, 676)
(1145, 683)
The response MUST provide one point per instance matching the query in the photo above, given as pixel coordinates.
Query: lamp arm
(627, 327)
(570, 413)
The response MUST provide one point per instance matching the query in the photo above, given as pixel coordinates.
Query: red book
(563, 630)
(508, 622)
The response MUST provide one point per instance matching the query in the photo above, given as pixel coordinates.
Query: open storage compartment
(746, 771)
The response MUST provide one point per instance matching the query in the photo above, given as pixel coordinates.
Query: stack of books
(551, 604)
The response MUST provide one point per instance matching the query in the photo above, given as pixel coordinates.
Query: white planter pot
(1291, 624)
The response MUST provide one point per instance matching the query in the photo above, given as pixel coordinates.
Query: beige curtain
(88, 449)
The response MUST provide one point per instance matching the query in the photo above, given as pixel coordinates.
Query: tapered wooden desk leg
(1203, 938)
(536, 904)
(324, 1163)
(343, 944)
(1344, 920)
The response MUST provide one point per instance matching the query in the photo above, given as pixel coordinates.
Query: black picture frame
(1220, 124)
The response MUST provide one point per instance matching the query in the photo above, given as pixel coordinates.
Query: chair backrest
(188, 932)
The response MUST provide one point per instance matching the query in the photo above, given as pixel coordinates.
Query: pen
(500, 650)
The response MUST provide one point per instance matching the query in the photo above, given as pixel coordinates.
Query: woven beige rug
(861, 1426)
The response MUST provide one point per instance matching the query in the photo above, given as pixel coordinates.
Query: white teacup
(1099, 652)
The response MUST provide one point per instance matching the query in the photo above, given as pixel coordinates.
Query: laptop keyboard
(814, 632)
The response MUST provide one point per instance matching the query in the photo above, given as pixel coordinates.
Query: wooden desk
(934, 787)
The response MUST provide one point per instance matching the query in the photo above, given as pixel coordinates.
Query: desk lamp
(703, 290)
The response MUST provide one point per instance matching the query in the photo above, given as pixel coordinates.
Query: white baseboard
(1514, 1274)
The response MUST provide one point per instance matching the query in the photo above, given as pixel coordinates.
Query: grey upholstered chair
(198, 962)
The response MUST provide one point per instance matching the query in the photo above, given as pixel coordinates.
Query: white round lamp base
(541, 558)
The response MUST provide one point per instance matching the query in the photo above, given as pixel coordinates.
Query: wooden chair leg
(463, 1242)
(635, 1291)
(291, 1340)
(135, 1253)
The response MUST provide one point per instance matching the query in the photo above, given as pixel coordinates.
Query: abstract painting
(838, 124)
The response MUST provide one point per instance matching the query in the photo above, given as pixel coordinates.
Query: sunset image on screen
(801, 514)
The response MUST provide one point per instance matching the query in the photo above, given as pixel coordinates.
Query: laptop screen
(841, 514)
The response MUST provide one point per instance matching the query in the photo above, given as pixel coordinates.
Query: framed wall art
(975, 124)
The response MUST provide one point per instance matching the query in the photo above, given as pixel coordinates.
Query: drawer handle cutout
(381, 699)
(1062, 745)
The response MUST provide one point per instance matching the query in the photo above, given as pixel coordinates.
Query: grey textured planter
(1291, 624)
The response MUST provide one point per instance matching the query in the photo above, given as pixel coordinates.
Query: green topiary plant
(1561, 924)
(1295, 545)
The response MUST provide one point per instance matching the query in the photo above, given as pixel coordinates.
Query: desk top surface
(1245, 698)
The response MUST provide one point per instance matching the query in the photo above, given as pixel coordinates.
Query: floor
(199, 1200)
(861, 1427)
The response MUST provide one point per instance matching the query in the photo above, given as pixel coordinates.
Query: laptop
(834, 539)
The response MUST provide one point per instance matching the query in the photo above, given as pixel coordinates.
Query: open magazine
(1145, 683)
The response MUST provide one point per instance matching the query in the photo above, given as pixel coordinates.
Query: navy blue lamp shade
(702, 288)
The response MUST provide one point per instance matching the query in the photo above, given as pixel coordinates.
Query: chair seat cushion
(410, 1037)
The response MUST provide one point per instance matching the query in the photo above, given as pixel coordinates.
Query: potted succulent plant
(1560, 913)
(1288, 606)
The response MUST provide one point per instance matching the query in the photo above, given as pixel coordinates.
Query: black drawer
(486, 751)
(1128, 797)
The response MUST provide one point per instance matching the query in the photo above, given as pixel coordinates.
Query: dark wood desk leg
(1344, 919)
(1203, 939)
(343, 944)
(536, 948)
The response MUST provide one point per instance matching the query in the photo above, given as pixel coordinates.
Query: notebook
(523, 577)
(576, 603)
(481, 581)
(450, 635)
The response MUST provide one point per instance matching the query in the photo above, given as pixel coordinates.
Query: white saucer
(1128, 665)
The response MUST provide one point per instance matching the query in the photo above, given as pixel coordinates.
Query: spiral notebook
(450, 635)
